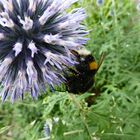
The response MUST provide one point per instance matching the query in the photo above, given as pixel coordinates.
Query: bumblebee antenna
(103, 54)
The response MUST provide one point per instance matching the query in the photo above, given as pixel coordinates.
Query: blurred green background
(114, 28)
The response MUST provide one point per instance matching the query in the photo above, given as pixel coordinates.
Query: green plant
(114, 115)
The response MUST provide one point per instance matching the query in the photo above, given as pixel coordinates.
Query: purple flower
(36, 39)
(99, 2)
(48, 128)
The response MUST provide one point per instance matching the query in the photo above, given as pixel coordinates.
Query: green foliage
(115, 114)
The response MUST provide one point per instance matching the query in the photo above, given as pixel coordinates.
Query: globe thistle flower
(36, 39)
(99, 2)
(49, 124)
(48, 128)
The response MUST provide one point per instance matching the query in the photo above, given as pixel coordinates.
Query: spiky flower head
(36, 39)
(99, 2)
(48, 128)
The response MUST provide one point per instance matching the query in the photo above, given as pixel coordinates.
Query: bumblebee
(81, 78)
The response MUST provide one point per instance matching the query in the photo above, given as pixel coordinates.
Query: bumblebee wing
(89, 84)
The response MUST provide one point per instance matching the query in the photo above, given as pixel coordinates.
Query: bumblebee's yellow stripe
(93, 66)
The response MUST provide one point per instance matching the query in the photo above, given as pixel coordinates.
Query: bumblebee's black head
(86, 61)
